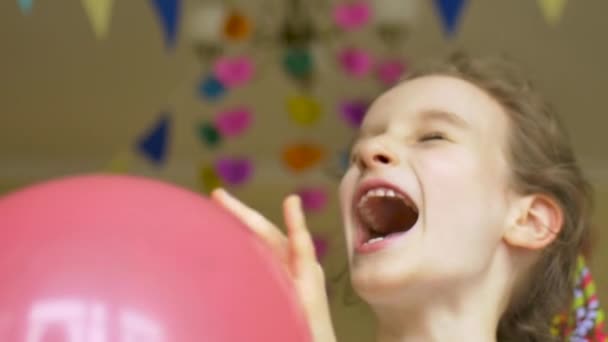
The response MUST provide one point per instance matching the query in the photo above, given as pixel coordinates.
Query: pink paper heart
(234, 170)
(352, 16)
(390, 72)
(234, 72)
(233, 122)
(313, 199)
(356, 62)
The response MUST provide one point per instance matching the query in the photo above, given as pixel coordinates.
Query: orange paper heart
(302, 156)
(237, 26)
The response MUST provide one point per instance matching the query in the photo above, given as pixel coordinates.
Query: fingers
(301, 246)
(254, 220)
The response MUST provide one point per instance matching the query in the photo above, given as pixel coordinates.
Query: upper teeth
(381, 192)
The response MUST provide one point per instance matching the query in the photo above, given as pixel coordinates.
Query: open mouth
(383, 212)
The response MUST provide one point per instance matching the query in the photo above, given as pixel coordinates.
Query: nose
(375, 154)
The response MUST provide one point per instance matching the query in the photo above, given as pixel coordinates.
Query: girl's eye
(432, 136)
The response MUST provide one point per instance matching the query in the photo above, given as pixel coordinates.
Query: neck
(434, 324)
(442, 315)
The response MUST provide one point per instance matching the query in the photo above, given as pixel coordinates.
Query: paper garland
(552, 10)
(356, 62)
(450, 12)
(233, 122)
(352, 16)
(209, 179)
(298, 62)
(234, 72)
(304, 110)
(169, 15)
(154, 144)
(100, 14)
(229, 123)
(211, 88)
(25, 6)
(209, 134)
(353, 112)
(390, 71)
(237, 27)
(314, 199)
(300, 157)
(234, 170)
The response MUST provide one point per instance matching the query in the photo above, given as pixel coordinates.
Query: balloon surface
(101, 258)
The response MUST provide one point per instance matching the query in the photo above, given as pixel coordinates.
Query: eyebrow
(440, 115)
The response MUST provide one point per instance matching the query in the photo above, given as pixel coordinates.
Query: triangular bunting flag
(169, 15)
(99, 13)
(552, 10)
(119, 164)
(25, 6)
(154, 143)
(450, 12)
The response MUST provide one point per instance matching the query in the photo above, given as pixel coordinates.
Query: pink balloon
(117, 258)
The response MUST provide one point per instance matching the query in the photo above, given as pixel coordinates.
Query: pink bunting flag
(352, 16)
(356, 62)
(233, 122)
(234, 72)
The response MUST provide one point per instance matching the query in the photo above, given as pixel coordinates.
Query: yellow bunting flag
(100, 14)
(119, 164)
(552, 10)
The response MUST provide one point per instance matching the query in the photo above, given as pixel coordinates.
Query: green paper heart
(298, 62)
(209, 134)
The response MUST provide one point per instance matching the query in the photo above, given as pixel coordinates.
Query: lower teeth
(376, 239)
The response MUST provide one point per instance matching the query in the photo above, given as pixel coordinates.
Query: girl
(464, 211)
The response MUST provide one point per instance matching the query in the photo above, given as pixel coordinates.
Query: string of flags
(229, 73)
(100, 15)
(235, 26)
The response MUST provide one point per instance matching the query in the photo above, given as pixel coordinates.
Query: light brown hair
(542, 161)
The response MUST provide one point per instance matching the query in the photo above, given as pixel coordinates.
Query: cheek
(462, 206)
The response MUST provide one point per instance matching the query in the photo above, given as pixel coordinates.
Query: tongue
(391, 215)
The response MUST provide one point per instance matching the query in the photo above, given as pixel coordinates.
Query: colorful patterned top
(585, 322)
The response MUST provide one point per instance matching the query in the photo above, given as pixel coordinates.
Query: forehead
(436, 94)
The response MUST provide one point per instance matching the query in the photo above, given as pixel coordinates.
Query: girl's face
(424, 201)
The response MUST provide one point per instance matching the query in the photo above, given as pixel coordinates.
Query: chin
(386, 281)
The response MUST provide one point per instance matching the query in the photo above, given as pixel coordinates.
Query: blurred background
(264, 96)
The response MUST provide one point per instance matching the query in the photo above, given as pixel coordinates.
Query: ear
(535, 223)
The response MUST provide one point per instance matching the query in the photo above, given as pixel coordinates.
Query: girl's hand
(296, 252)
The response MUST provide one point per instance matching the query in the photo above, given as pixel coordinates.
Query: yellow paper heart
(304, 110)
(209, 179)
